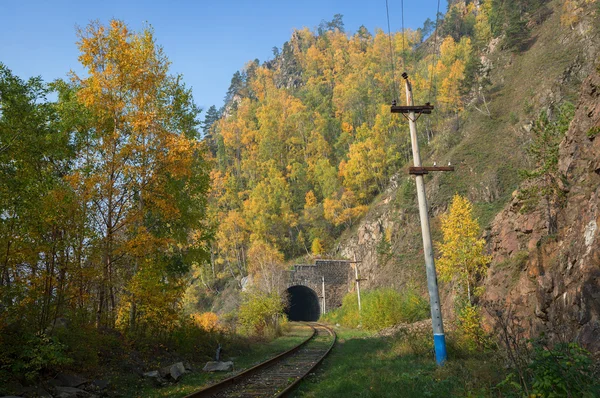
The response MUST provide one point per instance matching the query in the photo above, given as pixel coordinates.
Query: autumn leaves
(123, 200)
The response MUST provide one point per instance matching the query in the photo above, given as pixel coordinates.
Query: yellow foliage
(310, 200)
(266, 264)
(316, 247)
(472, 334)
(462, 251)
(208, 321)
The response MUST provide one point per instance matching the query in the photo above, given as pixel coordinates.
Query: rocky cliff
(553, 282)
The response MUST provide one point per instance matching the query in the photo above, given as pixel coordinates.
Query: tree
(260, 311)
(545, 178)
(212, 115)
(265, 264)
(462, 251)
(36, 206)
(427, 29)
(142, 168)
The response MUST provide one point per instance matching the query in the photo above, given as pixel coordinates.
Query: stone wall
(338, 276)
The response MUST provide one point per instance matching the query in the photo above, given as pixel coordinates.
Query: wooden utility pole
(439, 339)
(357, 280)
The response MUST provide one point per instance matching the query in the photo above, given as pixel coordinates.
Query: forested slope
(310, 160)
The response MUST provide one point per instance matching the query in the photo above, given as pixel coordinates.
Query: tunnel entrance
(303, 304)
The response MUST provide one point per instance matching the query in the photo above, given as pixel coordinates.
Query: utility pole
(323, 287)
(439, 339)
(357, 283)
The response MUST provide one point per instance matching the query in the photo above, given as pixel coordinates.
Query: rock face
(553, 283)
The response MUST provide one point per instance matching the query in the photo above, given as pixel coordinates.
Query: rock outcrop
(553, 282)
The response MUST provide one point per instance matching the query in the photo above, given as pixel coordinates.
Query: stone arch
(303, 304)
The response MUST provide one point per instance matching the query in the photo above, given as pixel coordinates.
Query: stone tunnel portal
(303, 304)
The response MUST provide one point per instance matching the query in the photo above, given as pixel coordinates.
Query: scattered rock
(214, 366)
(423, 326)
(156, 378)
(152, 374)
(72, 392)
(177, 370)
(99, 385)
(37, 392)
(67, 380)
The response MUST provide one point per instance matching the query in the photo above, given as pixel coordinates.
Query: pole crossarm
(426, 170)
(426, 109)
(439, 338)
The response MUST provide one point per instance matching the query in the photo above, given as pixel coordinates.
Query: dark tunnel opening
(303, 304)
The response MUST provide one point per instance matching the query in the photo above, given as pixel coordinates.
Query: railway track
(277, 376)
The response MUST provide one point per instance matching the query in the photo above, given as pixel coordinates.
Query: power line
(394, 84)
(434, 59)
(403, 36)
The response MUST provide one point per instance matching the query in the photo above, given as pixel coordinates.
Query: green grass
(134, 386)
(363, 364)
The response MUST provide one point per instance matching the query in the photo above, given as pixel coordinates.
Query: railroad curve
(277, 376)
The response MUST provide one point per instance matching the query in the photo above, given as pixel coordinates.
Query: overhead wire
(394, 83)
(403, 36)
(434, 59)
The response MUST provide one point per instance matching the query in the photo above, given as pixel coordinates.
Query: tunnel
(303, 304)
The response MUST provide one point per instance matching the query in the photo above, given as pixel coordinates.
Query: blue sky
(206, 41)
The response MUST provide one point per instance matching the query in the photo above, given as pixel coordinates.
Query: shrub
(381, 308)
(208, 321)
(38, 354)
(194, 341)
(566, 370)
(260, 312)
(471, 336)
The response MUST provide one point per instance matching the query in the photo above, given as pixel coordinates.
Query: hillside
(338, 183)
(490, 152)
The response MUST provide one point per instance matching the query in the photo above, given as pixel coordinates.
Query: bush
(381, 308)
(194, 341)
(35, 355)
(208, 321)
(471, 336)
(564, 370)
(260, 312)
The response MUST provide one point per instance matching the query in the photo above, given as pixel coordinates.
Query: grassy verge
(363, 364)
(133, 386)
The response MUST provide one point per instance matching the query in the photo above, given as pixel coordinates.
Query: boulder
(152, 374)
(37, 392)
(69, 380)
(176, 371)
(218, 366)
(188, 366)
(99, 385)
(156, 378)
(72, 392)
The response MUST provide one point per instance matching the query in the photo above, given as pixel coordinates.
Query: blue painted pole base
(439, 345)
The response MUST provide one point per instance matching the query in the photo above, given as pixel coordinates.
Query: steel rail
(214, 388)
(289, 388)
